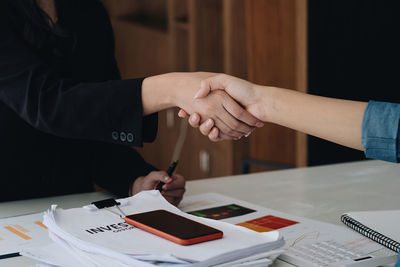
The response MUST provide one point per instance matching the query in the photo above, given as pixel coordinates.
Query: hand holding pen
(173, 188)
(170, 171)
(177, 152)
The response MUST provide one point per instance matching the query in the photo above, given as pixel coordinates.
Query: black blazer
(66, 118)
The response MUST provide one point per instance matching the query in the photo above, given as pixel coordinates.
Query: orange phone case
(184, 242)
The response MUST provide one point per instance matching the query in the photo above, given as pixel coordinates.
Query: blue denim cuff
(398, 262)
(380, 131)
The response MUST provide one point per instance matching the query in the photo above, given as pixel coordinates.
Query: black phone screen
(173, 224)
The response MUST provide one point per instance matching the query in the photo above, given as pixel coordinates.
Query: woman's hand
(242, 91)
(173, 189)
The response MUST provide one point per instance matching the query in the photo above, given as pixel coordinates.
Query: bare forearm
(336, 120)
(175, 89)
(158, 93)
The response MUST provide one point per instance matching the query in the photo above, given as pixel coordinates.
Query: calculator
(334, 254)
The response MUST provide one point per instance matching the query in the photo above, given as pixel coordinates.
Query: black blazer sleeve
(108, 111)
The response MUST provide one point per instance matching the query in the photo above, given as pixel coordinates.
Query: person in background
(67, 120)
(372, 127)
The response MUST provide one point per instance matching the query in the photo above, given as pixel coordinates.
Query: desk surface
(321, 193)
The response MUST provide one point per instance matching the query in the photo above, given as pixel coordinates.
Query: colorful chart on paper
(19, 232)
(222, 212)
(267, 223)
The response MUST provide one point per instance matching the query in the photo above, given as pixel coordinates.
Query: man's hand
(173, 189)
(240, 90)
(226, 114)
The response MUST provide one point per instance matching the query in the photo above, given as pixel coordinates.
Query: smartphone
(173, 227)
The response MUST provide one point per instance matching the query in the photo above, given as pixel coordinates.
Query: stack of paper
(91, 237)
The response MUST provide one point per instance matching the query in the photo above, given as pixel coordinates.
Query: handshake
(239, 112)
(222, 106)
(228, 108)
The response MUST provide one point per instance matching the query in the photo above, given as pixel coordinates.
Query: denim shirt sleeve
(380, 131)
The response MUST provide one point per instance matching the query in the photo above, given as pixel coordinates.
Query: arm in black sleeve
(104, 111)
(150, 122)
(115, 168)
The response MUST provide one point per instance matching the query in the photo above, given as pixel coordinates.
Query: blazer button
(122, 136)
(130, 137)
(115, 135)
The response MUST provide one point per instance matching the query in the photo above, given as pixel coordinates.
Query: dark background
(353, 53)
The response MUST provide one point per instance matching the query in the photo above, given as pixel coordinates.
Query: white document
(17, 233)
(58, 255)
(86, 232)
(385, 222)
(295, 230)
(262, 259)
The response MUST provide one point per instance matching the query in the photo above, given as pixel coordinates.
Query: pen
(177, 152)
(170, 171)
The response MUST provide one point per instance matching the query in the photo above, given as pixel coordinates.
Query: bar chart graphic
(41, 224)
(267, 223)
(19, 232)
(222, 212)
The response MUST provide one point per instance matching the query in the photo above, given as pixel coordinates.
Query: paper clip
(108, 203)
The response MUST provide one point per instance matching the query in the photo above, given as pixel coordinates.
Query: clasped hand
(230, 110)
(217, 109)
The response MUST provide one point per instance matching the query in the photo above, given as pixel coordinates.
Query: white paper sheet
(306, 231)
(17, 233)
(105, 230)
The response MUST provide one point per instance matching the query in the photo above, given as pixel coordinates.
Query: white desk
(321, 193)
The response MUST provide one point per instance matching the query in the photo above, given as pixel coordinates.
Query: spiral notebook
(381, 226)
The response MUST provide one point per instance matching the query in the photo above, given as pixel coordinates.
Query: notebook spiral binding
(371, 234)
